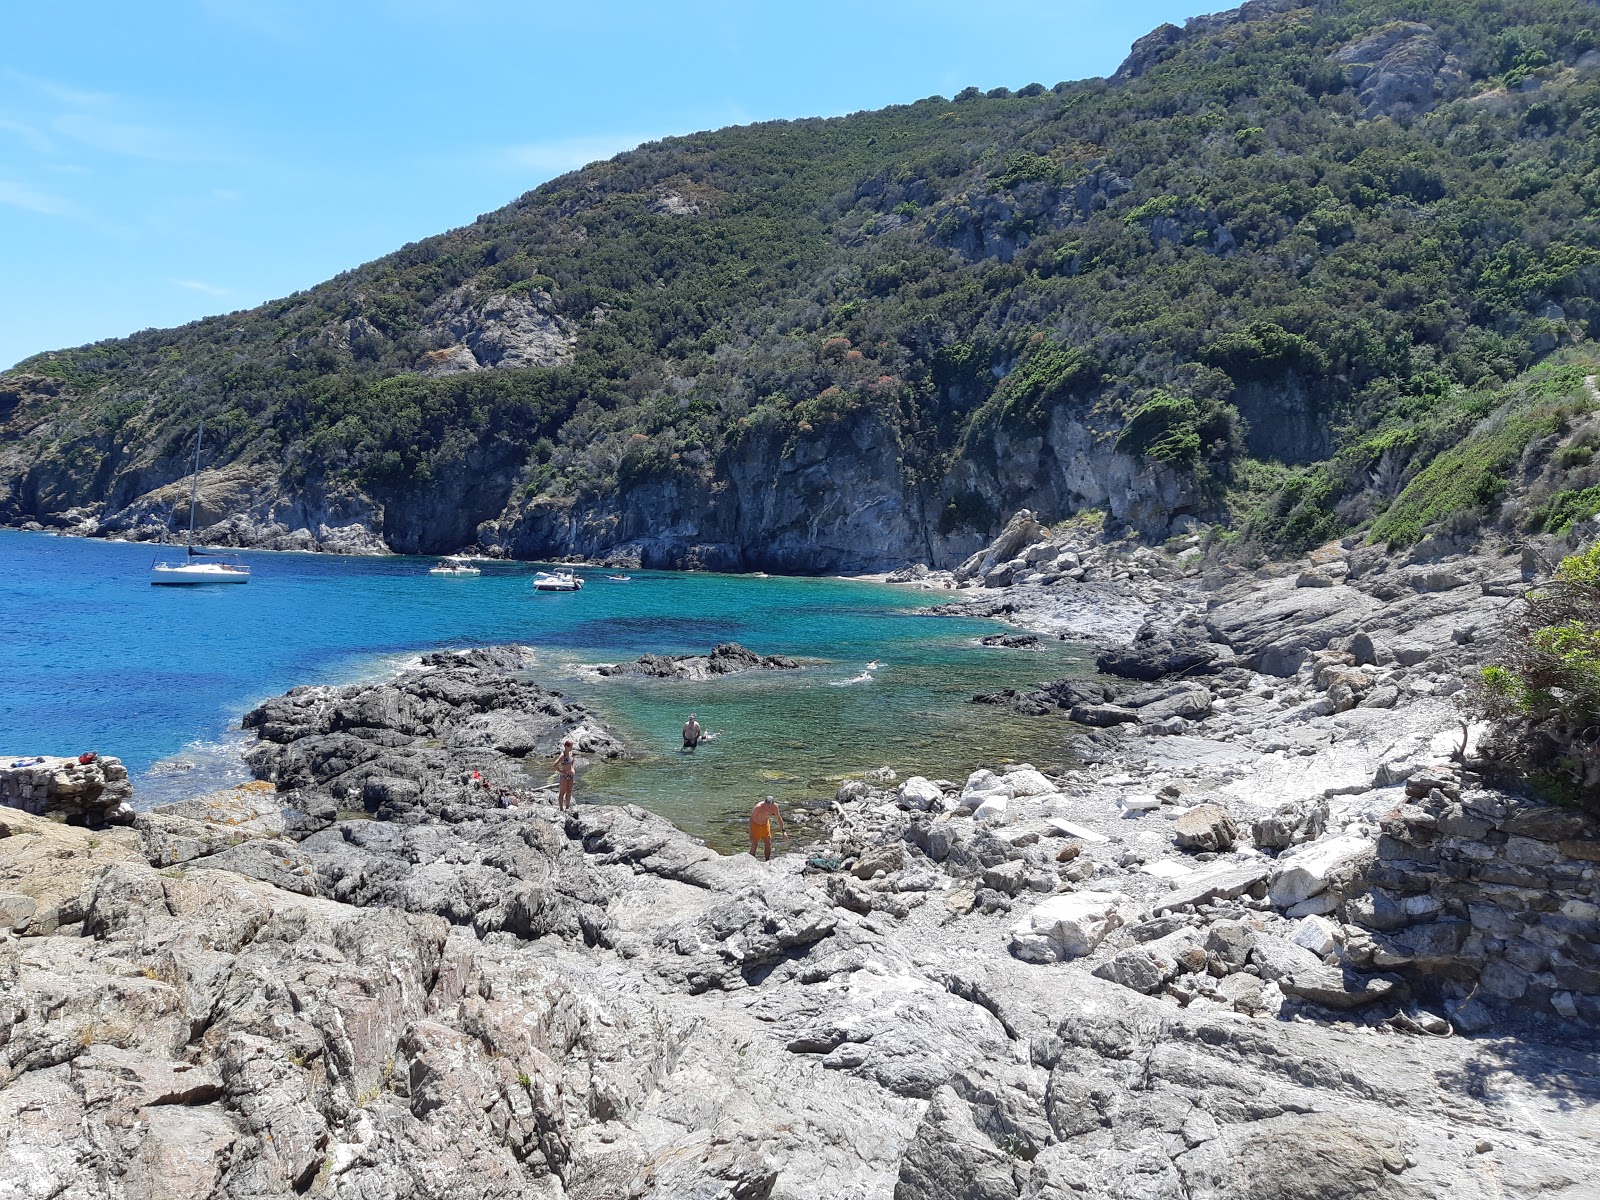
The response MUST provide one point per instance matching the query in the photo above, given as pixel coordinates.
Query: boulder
(1101, 716)
(888, 859)
(1190, 702)
(919, 794)
(1069, 926)
(1156, 653)
(1298, 821)
(1205, 827)
(1336, 987)
(1316, 935)
(991, 809)
(1150, 966)
(1347, 687)
(1025, 781)
(1305, 871)
(1274, 957)
(1223, 885)
(1022, 531)
(1228, 945)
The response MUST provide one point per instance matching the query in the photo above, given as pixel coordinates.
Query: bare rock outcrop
(1398, 70)
(92, 793)
(498, 331)
(728, 658)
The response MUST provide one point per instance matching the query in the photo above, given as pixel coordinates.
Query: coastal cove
(95, 658)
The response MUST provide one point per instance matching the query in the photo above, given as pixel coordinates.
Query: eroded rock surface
(729, 658)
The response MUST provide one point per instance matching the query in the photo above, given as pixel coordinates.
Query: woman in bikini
(567, 769)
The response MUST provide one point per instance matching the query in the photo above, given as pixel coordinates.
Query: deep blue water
(92, 657)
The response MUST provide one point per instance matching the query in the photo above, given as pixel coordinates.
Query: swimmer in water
(873, 665)
(761, 818)
(692, 734)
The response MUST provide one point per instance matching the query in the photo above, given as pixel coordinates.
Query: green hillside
(1295, 245)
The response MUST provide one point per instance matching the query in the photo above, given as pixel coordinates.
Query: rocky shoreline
(1222, 957)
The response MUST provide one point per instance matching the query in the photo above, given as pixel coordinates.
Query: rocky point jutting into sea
(1269, 934)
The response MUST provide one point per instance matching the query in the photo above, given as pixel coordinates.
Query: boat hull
(192, 576)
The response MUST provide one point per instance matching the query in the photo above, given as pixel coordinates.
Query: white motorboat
(620, 578)
(456, 568)
(556, 581)
(199, 566)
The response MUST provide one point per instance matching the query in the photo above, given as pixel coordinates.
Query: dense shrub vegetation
(1544, 695)
(1182, 248)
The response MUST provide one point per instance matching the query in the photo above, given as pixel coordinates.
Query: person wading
(692, 733)
(567, 769)
(761, 818)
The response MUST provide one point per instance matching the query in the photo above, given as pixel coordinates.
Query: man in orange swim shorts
(761, 826)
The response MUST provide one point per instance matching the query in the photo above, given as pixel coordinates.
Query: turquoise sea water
(92, 657)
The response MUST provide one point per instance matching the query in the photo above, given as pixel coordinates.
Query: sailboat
(199, 566)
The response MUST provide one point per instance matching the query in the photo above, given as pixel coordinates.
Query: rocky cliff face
(839, 500)
(836, 499)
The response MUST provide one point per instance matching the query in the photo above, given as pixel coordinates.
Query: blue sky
(164, 160)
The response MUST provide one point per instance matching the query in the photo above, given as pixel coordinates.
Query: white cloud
(121, 137)
(30, 136)
(194, 285)
(19, 196)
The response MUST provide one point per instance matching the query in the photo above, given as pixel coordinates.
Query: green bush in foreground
(1544, 695)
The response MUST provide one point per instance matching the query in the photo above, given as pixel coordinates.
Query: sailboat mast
(194, 484)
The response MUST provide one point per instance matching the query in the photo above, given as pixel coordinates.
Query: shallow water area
(93, 657)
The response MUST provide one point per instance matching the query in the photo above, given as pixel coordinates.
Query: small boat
(455, 568)
(558, 581)
(620, 578)
(199, 566)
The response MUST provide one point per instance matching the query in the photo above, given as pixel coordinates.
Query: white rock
(1069, 926)
(1303, 871)
(880, 776)
(1025, 781)
(1140, 803)
(981, 781)
(992, 811)
(1316, 935)
(920, 794)
(1082, 832)
(1162, 869)
(984, 787)
(1319, 905)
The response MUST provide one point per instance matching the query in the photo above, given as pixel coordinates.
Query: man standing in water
(692, 733)
(761, 826)
(567, 770)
